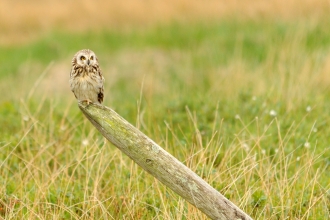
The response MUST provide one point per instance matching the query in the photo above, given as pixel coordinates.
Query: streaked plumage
(86, 79)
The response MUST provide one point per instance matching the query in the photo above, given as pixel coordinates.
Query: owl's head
(85, 58)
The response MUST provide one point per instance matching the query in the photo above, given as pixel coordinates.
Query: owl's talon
(88, 101)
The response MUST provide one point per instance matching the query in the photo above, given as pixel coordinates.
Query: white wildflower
(272, 113)
(85, 142)
(307, 145)
(246, 147)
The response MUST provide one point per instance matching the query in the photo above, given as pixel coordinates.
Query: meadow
(243, 102)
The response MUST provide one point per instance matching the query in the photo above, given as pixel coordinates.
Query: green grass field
(244, 104)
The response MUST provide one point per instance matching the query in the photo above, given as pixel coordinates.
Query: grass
(244, 104)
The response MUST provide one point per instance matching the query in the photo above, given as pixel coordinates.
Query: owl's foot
(87, 101)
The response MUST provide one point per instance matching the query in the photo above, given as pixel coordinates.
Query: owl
(86, 79)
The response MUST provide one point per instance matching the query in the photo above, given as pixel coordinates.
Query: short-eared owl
(86, 79)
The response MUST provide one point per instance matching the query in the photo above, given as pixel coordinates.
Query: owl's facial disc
(87, 59)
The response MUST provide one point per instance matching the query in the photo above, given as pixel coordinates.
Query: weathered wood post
(159, 163)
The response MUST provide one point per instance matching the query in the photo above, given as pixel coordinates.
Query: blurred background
(237, 90)
(35, 34)
(22, 21)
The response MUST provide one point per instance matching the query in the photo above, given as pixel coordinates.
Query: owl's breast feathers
(87, 85)
(84, 70)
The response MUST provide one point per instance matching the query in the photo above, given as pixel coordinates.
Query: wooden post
(159, 163)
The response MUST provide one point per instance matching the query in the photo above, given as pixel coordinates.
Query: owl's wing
(100, 95)
(71, 80)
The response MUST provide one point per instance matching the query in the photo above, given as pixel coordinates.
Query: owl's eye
(92, 58)
(82, 58)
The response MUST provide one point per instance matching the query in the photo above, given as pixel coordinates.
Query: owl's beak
(88, 62)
